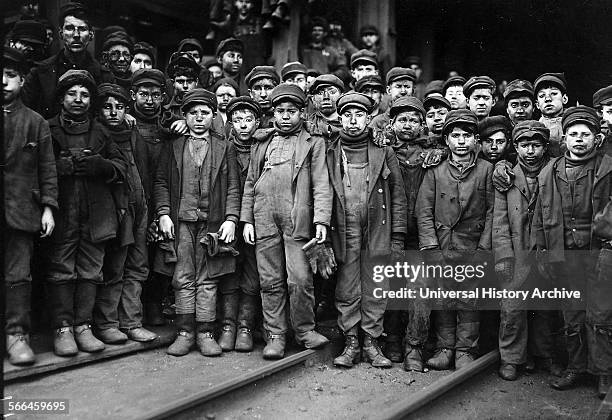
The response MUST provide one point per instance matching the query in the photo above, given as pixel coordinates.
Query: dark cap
(291, 69)
(75, 9)
(181, 59)
(210, 63)
(581, 114)
(491, 125)
(243, 102)
(142, 47)
(602, 97)
(413, 59)
(364, 57)
(112, 89)
(453, 81)
(29, 31)
(369, 30)
(14, 58)
(371, 80)
(435, 86)
(326, 80)
(400, 73)
(117, 40)
(229, 44)
(261, 72)
(182, 46)
(199, 96)
(436, 99)
(319, 21)
(288, 92)
(225, 81)
(313, 72)
(555, 79)
(406, 103)
(518, 88)
(355, 100)
(478, 82)
(459, 116)
(149, 77)
(76, 77)
(529, 129)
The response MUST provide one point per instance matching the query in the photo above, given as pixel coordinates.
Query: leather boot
(227, 339)
(373, 354)
(111, 336)
(85, 339)
(604, 384)
(413, 359)
(63, 342)
(350, 354)
(508, 372)
(19, 350)
(463, 358)
(206, 340)
(313, 340)
(185, 337)
(567, 381)
(275, 348)
(246, 319)
(441, 359)
(393, 348)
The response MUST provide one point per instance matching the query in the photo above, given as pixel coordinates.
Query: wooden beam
(168, 11)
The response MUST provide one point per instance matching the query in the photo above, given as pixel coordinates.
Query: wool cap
(243, 102)
(406, 103)
(229, 44)
(72, 8)
(400, 73)
(149, 77)
(111, 89)
(117, 40)
(555, 79)
(181, 59)
(435, 86)
(29, 31)
(326, 80)
(453, 81)
(436, 99)
(369, 30)
(261, 72)
(225, 81)
(477, 82)
(491, 125)
(355, 100)
(14, 58)
(371, 80)
(288, 92)
(364, 57)
(199, 96)
(529, 129)
(580, 114)
(603, 97)
(459, 116)
(190, 42)
(76, 77)
(517, 88)
(291, 69)
(142, 47)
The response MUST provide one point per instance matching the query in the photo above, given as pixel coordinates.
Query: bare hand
(130, 120)
(166, 226)
(227, 231)
(47, 223)
(248, 233)
(321, 231)
(179, 127)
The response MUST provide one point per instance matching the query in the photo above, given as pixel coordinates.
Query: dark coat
(103, 221)
(40, 87)
(386, 200)
(547, 231)
(224, 192)
(30, 179)
(456, 214)
(312, 195)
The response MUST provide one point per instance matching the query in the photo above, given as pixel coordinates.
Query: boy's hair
(184, 71)
(75, 9)
(467, 127)
(106, 90)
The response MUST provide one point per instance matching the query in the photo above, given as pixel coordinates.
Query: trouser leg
(19, 247)
(270, 253)
(468, 331)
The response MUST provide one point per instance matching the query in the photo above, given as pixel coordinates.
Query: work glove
(503, 177)
(94, 166)
(153, 233)
(433, 157)
(320, 257)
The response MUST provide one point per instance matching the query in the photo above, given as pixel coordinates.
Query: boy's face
(199, 119)
(494, 146)
(531, 150)
(244, 123)
(606, 114)
(195, 54)
(454, 95)
(369, 40)
(362, 70)
(480, 102)
(77, 100)
(76, 34)
(231, 62)
(399, 88)
(148, 99)
(260, 91)
(435, 117)
(579, 139)
(244, 7)
(287, 116)
(12, 82)
(550, 101)
(519, 109)
(112, 112)
(407, 125)
(140, 61)
(183, 84)
(298, 79)
(224, 93)
(317, 34)
(460, 142)
(119, 58)
(374, 93)
(215, 72)
(354, 121)
(325, 99)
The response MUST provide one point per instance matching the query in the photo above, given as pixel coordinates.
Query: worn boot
(85, 339)
(246, 319)
(567, 381)
(206, 340)
(604, 384)
(111, 336)
(275, 348)
(350, 354)
(508, 372)
(313, 340)
(185, 337)
(393, 348)
(18, 349)
(413, 359)
(373, 354)
(441, 359)
(463, 358)
(227, 339)
(63, 342)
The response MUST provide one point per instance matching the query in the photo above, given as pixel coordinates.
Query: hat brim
(519, 92)
(147, 81)
(529, 135)
(186, 105)
(435, 100)
(31, 40)
(364, 60)
(289, 98)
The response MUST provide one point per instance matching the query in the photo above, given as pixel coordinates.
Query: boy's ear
(565, 99)
(368, 120)
(388, 90)
(599, 140)
(132, 94)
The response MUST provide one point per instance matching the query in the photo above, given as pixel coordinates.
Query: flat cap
(478, 82)
(76, 77)
(291, 69)
(313, 72)
(413, 59)
(260, 72)
(369, 30)
(185, 43)
(436, 99)
(288, 92)
(30, 31)
(491, 125)
(199, 96)
(117, 40)
(229, 44)
(529, 129)
(518, 87)
(406, 103)
(72, 8)
(364, 57)
(580, 114)
(319, 21)
(459, 116)
(453, 81)
(602, 97)
(371, 80)
(243, 102)
(225, 81)
(14, 58)
(142, 47)
(435, 86)
(326, 80)
(149, 77)
(181, 59)
(400, 73)
(555, 79)
(111, 89)
(355, 100)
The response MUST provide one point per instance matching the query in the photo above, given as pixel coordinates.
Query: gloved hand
(94, 166)
(433, 157)
(503, 177)
(326, 261)
(504, 270)
(153, 233)
(384, 137)
(65, 166)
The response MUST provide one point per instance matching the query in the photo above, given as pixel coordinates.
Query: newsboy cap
(143, 47)
(117, 40)
(580, 114)
(14, 59)
(153, 77)
(76, 77)
(364, 57)
(291, 69)
(555, 79)
(111, 89)
(406, 103)
(29, 31)
(243, 102)
(529, 129)
(368, 30)
(261, 72)
(400, 73)
(602, 97)
(459, 116)
(491, 125)
(199, 96)
(436, 99)
(182, 59)
(518, 87)
(477, 82)
(326, 80)
(187, 42)
(453, 81)
(371, 80)
(225, 81)
(229, 44)
(354, 99)
(72, 8)
(288, 92)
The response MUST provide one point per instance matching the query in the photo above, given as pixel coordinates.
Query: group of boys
(141, 178)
